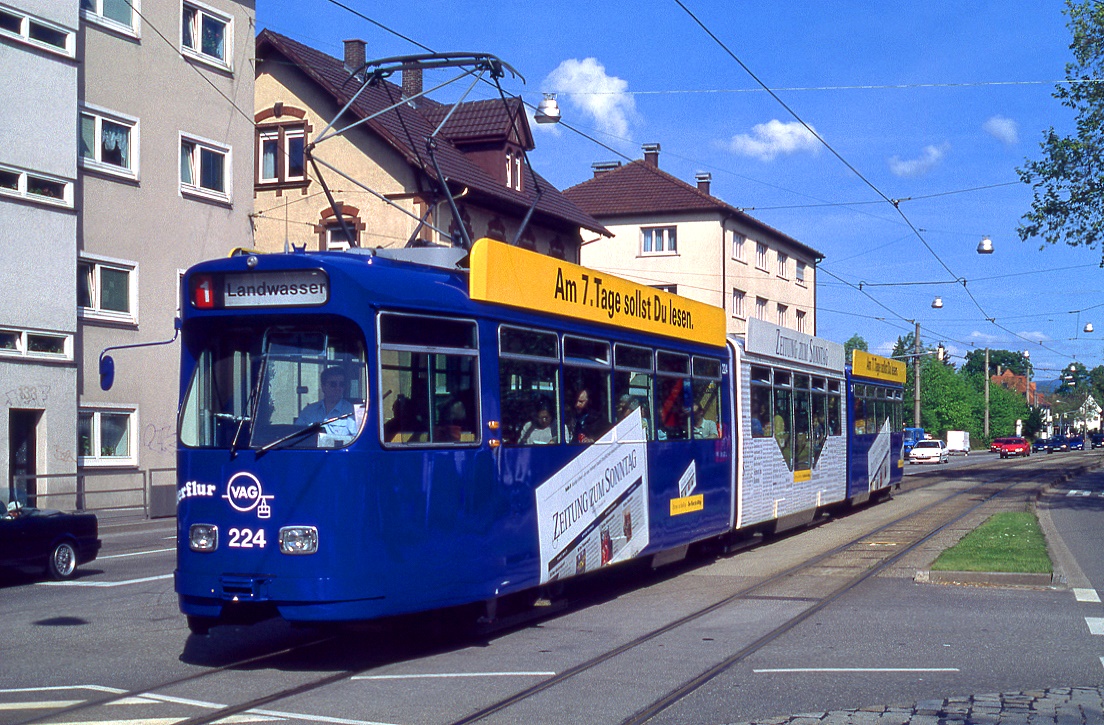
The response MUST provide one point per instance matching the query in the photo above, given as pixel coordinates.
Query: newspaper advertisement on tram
(594, 511)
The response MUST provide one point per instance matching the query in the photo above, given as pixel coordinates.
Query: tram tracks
(889, 544)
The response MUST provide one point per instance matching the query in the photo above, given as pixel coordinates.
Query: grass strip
(1007, 542)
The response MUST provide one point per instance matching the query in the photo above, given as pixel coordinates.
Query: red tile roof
(641, 188)
(406, 130)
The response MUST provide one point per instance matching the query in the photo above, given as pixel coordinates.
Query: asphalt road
(116, 629)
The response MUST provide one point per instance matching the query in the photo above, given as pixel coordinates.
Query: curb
(985, 578)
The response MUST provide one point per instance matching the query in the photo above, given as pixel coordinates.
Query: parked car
(1096, 440)
(48, 540)
(1013, 447)
(929, 451)
(1076, 443)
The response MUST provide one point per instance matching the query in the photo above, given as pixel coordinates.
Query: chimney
(412, 83)
(354, 55)
(651, 154)
(703, 177)
(601, 167)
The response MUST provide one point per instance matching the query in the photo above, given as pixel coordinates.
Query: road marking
(39, 704)
(855, 669)
(136, 553)
(56, 688)
(1082, 493)
(1086, 595)
(454, 674)
(105, 584)
(1096, 625)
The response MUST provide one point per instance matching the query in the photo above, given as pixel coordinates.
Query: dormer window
(513, 169)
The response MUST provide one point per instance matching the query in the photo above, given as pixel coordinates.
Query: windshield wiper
(312, 428)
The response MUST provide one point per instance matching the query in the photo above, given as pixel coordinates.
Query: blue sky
(935, 104)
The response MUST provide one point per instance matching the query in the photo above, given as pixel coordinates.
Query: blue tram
(363, 435)
(875, 391)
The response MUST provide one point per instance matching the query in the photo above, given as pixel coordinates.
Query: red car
(1013, 447)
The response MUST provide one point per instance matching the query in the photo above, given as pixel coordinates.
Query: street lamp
(937, 303)
(548, 111)
(985, 246)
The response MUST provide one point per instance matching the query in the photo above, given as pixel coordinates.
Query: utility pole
(916, 377)
(986, 394)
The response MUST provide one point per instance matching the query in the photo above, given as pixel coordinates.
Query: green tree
(1096, 383)
(1068, 181)
(1004, 359)
(947, 400)
(855, 343)
(1075, 381)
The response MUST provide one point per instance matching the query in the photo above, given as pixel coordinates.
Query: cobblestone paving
(1056, 706)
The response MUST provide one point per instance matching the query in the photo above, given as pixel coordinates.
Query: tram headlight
(203, 537)
(296, 540)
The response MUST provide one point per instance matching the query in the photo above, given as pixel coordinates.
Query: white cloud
(602, 97)
(771, 139)
(1003, 129)
(1035, 336)
(929, 159)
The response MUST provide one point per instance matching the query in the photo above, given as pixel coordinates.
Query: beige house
(383, 180)
(129, 159)
(669, 234)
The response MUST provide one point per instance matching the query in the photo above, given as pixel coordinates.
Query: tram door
(22, 445)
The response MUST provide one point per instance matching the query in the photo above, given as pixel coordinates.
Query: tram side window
(783, 421)
(674, 396)
(761, 405)
(632, 384)
(835, 424)
(705, 412)
(528, 386)
(587, 389)
(819, 432)
(438, 393)
(802, 424)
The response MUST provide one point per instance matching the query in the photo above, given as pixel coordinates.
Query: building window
(782, 313)
(738, 241)
(106, 437)
(339, 238)
(107, 290)
(32, 344)
(109, 143)
(204, 168)
(799, 273)
(783, 265)
(206, 35)
(513, 170)
(801, 326)
(35, 187)
(38, 33)
(117, 15)
(761, 256)
(738, 303)
(332, 235)
(760, 308)
(658, 240)
(280, 157)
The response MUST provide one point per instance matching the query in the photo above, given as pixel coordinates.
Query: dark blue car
(51, 541)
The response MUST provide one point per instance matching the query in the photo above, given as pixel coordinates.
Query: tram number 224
(247, 539)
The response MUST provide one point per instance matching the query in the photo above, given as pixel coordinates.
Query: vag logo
(244, 492)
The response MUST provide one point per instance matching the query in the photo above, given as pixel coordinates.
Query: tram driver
(334, 410)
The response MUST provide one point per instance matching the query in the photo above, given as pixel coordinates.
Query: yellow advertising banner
(687, 504)
(866, 365)
(512, 276)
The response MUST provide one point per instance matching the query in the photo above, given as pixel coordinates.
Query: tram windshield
(276, 387)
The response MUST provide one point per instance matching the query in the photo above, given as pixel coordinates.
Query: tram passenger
(405, 425)
(627, 405)
(539, 431)
(454, 423)
(584, 421)
(703, 427)
(333, 382)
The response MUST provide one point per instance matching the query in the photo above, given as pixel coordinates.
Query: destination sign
(866, 365)
(512, 276)
(275, 289)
